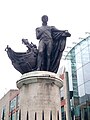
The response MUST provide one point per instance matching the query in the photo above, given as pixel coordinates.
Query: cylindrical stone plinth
(39, 96)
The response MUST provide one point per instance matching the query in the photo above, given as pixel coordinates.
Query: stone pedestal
(39, 96)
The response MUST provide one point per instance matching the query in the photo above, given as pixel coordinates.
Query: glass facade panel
(89, 49)
(88, 40)
(87, 87)
(68, 57)
(86, 72)
(80, 77)
(83, 44)
(77, 49)
(77, 111)
(81, 90)
(85, 56)
(78, 60)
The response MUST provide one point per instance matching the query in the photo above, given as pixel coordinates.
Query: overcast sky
(19, 18)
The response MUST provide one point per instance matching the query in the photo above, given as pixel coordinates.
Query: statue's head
(44, 18)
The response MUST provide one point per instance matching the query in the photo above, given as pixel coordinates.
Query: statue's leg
(49, 50)
(39, 61)
(40, 55)
(48, 63)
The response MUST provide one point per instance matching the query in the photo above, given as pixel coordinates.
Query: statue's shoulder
(52, 26)
(38, 28)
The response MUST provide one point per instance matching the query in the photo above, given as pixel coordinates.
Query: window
(87, 87)
(80, 78)
(88, 40)
(83, 44)
(63, 113)
(77, 49)
(89, 50)
(17, 115)
(85, 56)
(12, 117)
(78, 60)
(81, 90)
(3, 113)
(12, 104)
(86, 72)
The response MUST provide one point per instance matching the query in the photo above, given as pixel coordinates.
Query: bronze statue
(47, 57)
(47, 39)
(45, 44)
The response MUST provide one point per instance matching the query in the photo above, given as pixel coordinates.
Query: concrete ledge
(39, 76)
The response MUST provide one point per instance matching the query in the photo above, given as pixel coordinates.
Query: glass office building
(78, 60)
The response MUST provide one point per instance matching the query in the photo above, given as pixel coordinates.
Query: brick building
(9, 105)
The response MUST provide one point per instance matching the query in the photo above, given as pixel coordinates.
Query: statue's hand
(66, 31)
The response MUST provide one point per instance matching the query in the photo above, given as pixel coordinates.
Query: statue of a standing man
(43, 33)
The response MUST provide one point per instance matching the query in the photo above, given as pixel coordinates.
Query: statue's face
(44, 18)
